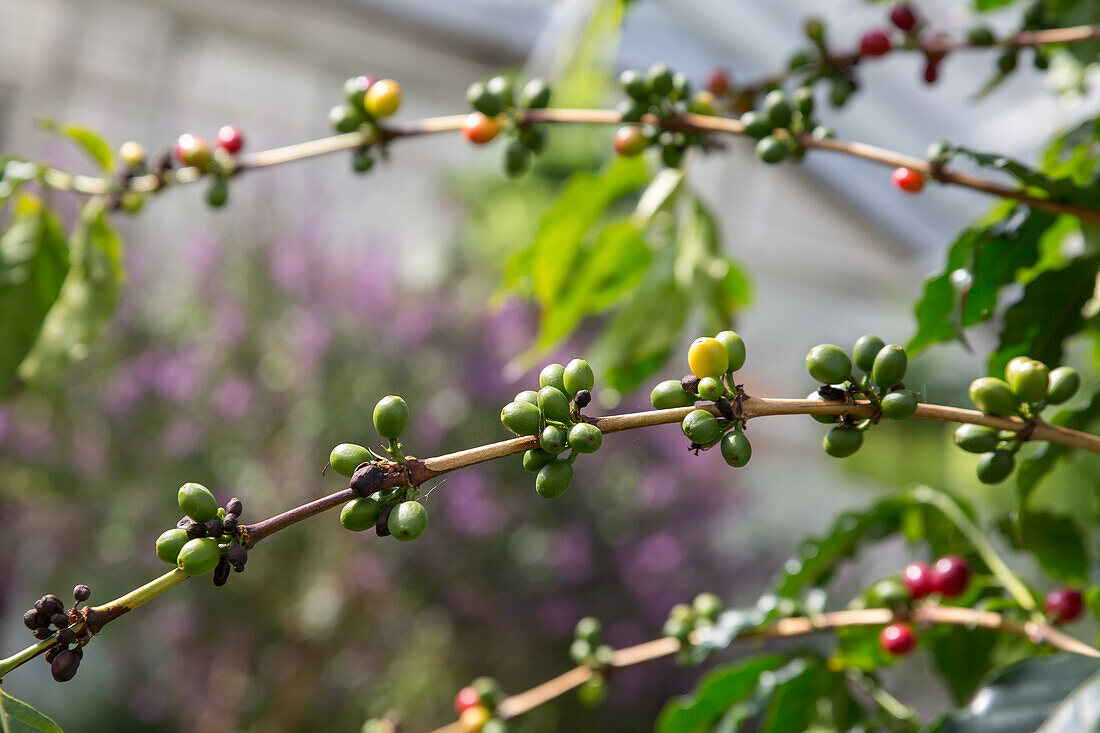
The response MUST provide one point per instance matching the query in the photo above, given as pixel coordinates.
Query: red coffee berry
(950, 575)
(903, 17)
(917, 577)
(467, 697)
(718, 82)
(230, 138)
(480, 129)
(931, 71)
(908, 180)
(874, 43)
(1063, 605)
(630, 141)
(897, 639)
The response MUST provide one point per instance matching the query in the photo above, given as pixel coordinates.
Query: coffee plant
(638, 262)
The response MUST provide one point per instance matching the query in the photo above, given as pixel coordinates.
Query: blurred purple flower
(312, 338)
(289, 268)
(230, 323)
(466, 501)
(232, 398)
(369, 573)
(574, 554)
(177, 377)
(180, 438)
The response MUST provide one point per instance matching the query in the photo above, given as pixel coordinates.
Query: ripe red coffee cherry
(903, 17)
(1063, 605)
(897, 639)
(908, 180)
(630, 141)
(950, 575)
(874, 43)
(480, 129)
(230, 138)
(718, 82)
(467, 697)
(918, 579)
(931, 71)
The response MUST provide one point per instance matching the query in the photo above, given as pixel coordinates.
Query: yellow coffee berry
(708, 357)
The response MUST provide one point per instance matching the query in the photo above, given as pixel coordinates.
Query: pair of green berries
(884, 366)
(497, 96)
(553, 414)
(683, 618)
(193, 556)
(588, 650)
(779, 122)
(665, 95)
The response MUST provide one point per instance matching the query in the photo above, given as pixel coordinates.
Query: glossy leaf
(1058, 542)
(85, 138)
(714, 695)
(963, 657)
(1033, 469)
(17, 716)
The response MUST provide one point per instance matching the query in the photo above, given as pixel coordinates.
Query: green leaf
(714, 695)
(1031, 470)
(86, 139)
(33, 263)
(719, 284)
(1021, 696)
(793, 705)
(963, 656)
(1080, 711)
(858, 648)
(1062, 189)
(1058, 543)
(1047, 314)
(87, 298)
(17, 716)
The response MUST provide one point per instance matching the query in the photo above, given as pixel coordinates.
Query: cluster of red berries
(498, 108)
(476, 706)
(63, 657)
(878, 42)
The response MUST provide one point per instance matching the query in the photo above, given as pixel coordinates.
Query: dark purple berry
(184, 522)
(59, 620)
(41, 620)
(52, 652)
(51, 604)
(382, 526)
(42, 632)
(237, 557)
(229, 524)
(582, 399)
(214, 528)
(234, 506)
(193, 529)
(366, 480)
(64, 666)
(79, 652)
(30, 619)
(82, 593)
(690, 384)
(221, 572)
(67, 635)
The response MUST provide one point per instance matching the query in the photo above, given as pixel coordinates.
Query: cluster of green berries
(588, 650)
(63, 657)
(712, 361)
(206, 538)
(498, 108)
(884, 366)
(390, 511)
(553, 414)
(476, 706)
(780, 123)
(683, 619)
(367, 100)
(1028, 387)
(665, 97)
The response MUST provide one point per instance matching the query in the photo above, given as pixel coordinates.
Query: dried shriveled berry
(237, 557)
(82, 593)
(30, 619)
(42, 632)
(67, 635)
(234, 506)
(221, 572)
(382, 526)
(51, 604)
(60, 620)
(230, 523)
(582, 399)
(214, 528)
(64, 665)
(367, 479)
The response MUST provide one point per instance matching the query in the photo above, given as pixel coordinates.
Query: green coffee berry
(360, 514)
(589, 629)
(827, 419)
(995, 467)
(865, 351)
(535, 94)
(593, 690)
(899, 405)
(199, 556)
(669, 394)
(391, 417)
(634, 84)
(975, 438)
(535, 459)
(804, 100)
(408, 520)
(993, 396)
(362, 160)
(1028, 378)
(841, 90)
(707, 605)
(585, 438)
(517, 159)
(603, 654)
(735, 448)
(771, 149)
(197, 502)
(981, 36)
(702, 103)
(659, 80)
(829, 364)
(580, 651)
(489, 691)
(1064, 383)
(841, 442)
(533, 137)
(552, 375)
(683, 612)
(577, 376)
(501, 87)
(554, 404)
(522, 418)
(170, 543)
(345, 118)
(218, 193)
(483, 100)
(778, 108)
(890, 592)
(701, 427)
(711, 388)
(681, 86)
(677, 628)
(528, 395)
(347, 457)
(757, 125)
(553, 439)
(672, 156)
(554, 478)
(890, 365)
(735, 345)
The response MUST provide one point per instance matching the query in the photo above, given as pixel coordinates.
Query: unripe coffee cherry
(577, 376)
(993, 396)
(736, 448)
(198, 557)
(522, 418)
(710, 388)
(890, 592)
(690, 384)
(975, 438)
(483, 100)
(890, 365)
(355, 89)
(528, 395)
(907, 180)
(756, 124)
(828, 363)
(554, 478)
(897, 639)
(193, 150)
(360, 514)
(777, 108)
(552, 375)
(589, 630)
(535, 459)
(917, 577)
(659, 80)
(63, 666)
(535, 94)
(230, 138)
(479, 128)
(383, 98)
(391, 415)
(1028, 378)
(995, 467)
(826, 419)
(473, 719)
(408, 520)
(981, 36)
(553, 439)
(703, 103)
(899, 405)
(218, 193)
(735, 349)
(517, 159)
(669, 394)
(903, 17)
(170, 543)
(593, 690)
(874, 43)
(585, 438)
(841, 442)
(197, 502)
(707, 605)
(700, 427)
(771, 149)
(1063, 605)
(345, 118)
(132, 154)
(708, 357)
(554, 404)
(1064, 383)
(951, 576)
(237, 557)
(467, 697)
(346, 457)
(866, 349)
